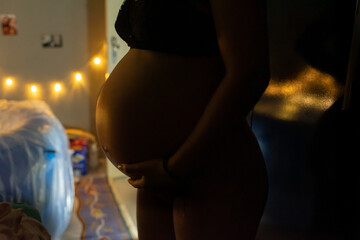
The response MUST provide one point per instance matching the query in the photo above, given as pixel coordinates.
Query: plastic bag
(35, 167)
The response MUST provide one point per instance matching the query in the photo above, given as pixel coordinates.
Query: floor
(124, 194)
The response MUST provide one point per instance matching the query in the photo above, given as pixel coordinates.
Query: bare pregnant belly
(151, 102)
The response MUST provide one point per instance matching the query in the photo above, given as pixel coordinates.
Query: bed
(35, 166)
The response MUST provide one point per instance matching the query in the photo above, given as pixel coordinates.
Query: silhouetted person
(172, 116)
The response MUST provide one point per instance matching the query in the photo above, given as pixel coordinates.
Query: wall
(117, 47)
(23, 57)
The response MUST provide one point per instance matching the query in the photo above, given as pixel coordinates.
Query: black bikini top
(172, 26)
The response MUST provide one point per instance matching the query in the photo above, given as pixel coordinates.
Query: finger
(137, 183)
(130, 170)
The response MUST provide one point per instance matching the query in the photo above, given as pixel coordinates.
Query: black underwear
(170, 26)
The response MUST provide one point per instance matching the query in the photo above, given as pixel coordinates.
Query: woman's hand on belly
(149, 174)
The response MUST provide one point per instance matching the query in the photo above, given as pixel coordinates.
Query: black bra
(170, 26)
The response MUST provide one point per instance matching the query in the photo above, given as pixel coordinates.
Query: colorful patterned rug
(96, 215)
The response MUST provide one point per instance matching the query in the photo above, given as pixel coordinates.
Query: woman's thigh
(227, 200)
(230, 213)
(154, 216)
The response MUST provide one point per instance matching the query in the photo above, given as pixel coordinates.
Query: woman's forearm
(225, 113)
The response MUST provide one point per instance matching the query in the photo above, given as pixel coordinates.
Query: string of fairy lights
(10, 83)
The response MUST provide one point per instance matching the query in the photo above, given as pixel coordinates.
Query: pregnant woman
(172, 116)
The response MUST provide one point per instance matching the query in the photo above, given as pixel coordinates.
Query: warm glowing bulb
(57, 87)
(97, 60)
(9, 81)
(33, 88)
(78, 77)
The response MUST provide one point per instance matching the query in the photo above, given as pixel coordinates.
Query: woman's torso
(155, 96)
(152, 101)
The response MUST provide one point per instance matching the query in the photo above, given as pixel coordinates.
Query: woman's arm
(242, 36)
